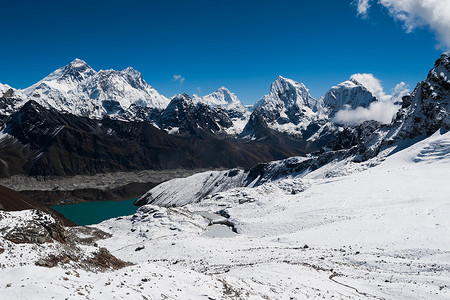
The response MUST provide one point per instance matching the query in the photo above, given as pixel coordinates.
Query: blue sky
(243, 45)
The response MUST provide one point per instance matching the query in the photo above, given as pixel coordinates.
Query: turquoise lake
(89, 213)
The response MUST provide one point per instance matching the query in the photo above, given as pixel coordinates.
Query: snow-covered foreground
(356, 232)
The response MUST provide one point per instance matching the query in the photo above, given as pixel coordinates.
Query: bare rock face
(103, 259)
(37, 227)
(427, 110)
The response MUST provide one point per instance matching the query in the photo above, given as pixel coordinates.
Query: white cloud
(178, 78)
(382, 110)
(399, 91)
(372, 84)
(417, 13)
(362, 7)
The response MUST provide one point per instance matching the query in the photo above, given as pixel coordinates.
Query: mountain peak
(362, 80)
(290, 91)
(77, 70)
(287, 102)
(223, 89)
(441, 67)
(286, 81)
(182, 97)
(78, 63)
(131, 71)
(225, 99)
(349, 94)
(225, 95)
(445, 55)
(283, 84)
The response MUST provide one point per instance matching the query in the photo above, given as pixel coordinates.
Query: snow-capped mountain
(288, 102)
(4, 88)
(78, 89)
(225, 99)
(288, 108)
(183, 116)
(289, 115)
(230, 104)
(10, 100)
(349, 94)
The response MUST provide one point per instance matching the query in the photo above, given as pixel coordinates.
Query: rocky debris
(40, 228)
(101, 181)
(54, 260)
(100, 260)
(34, 237)
(56, 197)
(105, 260)
(85, 235)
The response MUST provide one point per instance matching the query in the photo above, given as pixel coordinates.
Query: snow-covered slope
(346, 231)
(378, 229)
(182, 191)
(78, 89)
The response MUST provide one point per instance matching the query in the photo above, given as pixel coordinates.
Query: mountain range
(80, 121)
(124, 95)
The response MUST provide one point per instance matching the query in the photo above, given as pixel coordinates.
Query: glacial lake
(88, 213)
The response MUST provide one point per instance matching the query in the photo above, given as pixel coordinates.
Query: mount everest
(78, 89)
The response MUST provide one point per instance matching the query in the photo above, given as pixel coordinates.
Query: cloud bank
(417, 13)
(382, 110)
